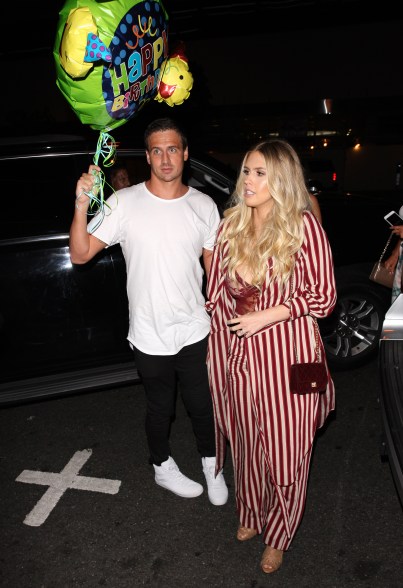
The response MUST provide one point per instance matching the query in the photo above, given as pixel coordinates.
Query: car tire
(352, 332)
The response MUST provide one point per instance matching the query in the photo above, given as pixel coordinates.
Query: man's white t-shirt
(162, 242)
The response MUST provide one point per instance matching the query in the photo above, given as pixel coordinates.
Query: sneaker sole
(218, 503)
(194, 495)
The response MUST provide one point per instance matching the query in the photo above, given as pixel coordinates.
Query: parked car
(357, 232)
(320, 173)
(63, 327)
(391, 392)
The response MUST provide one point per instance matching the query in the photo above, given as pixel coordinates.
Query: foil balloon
(176, 80)
(109, 56)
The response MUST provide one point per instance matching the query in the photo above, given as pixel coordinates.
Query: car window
(39, 193)
(136, 165)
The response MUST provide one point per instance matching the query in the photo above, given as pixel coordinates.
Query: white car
(391, 396)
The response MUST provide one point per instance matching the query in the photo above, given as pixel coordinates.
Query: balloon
(176, 80)
(109, 58)
(73, 45)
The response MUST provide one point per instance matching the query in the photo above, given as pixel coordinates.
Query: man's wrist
(82, 202)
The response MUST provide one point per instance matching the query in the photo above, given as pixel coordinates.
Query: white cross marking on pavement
(59, 483)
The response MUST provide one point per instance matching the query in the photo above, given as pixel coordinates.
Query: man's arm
(207, 256)
(83, 246)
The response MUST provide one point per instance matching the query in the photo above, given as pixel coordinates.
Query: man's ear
(148, 157)
(186, 154)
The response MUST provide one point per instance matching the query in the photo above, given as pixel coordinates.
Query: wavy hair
(282, 233)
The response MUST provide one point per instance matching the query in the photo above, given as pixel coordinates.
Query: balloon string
(106, 148)
(106, 151)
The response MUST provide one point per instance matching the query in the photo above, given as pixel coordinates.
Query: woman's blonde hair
(282, 233)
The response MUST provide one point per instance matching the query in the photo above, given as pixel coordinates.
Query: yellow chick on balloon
(176, 80)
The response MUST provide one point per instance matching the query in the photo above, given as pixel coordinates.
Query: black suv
(63, 328)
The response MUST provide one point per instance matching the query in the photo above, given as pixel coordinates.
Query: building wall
(373, 167)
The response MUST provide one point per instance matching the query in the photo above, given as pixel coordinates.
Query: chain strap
(385, 248)
(315, 324)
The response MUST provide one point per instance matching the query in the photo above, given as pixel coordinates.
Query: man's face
(166, 155)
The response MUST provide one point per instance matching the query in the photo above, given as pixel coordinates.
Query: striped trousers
(257, 496)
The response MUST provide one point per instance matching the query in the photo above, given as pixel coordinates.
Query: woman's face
(255, 190)
(121, 180)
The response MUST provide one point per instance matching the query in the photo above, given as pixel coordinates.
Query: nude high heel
(244, 533)
(271, 560)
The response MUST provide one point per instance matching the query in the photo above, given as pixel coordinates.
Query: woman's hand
(248, 324)
(397, 230)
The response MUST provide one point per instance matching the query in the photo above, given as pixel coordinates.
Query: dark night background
(259, 67)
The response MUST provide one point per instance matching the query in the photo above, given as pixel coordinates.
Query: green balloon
(108, 58)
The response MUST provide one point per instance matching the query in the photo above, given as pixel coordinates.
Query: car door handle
(213, 182)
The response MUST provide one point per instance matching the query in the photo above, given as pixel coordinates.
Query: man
(163, 227)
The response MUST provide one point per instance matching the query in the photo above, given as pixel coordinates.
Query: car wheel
(351, 334)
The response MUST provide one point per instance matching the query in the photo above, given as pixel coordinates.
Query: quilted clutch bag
(308, 377)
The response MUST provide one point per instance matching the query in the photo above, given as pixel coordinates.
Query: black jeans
(160, 375)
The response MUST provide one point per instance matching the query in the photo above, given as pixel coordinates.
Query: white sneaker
(216, 486)
(168, 476)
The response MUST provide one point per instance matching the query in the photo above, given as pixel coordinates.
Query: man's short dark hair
(165, 124)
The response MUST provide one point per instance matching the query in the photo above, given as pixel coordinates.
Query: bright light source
(327, 105)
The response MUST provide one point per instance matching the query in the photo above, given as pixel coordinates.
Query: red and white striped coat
(287, 422)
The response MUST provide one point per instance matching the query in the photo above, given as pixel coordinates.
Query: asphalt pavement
(79, 506)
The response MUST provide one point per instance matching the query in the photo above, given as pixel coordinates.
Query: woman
(120, 177)
(315, 207)
(267, 242)
(394, 263)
